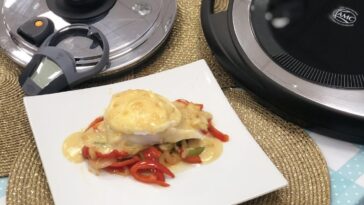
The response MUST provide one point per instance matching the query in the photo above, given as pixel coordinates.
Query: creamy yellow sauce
(72, 147)
(212, 151)
(180, 167)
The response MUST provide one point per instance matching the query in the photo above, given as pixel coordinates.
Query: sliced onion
(170, 158)
(100, 163)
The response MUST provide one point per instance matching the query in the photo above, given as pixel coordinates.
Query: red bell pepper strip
(95, 123)
(192, 160)
(217, 134)
(125, 163)
(200, 106)
(185, 102)
(151, 154)
(149, 179)
(139, 170)
(163, 169)
(159, 175)
(86, 152)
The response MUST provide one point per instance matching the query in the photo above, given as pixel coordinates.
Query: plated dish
(242, 171)
(143, 134)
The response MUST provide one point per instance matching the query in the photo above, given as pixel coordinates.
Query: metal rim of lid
(339, 100)
(120, 60)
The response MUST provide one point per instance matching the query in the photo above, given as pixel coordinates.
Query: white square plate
(243, 171)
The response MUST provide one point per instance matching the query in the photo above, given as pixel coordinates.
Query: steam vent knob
(81, 11)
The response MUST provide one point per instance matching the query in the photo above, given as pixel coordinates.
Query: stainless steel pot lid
(134, 29)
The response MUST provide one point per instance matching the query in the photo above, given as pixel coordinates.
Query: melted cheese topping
(141, 112)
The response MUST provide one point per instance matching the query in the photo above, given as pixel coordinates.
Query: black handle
(84, 3)
(75, 77)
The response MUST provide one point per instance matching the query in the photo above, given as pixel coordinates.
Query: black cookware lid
(317, 40)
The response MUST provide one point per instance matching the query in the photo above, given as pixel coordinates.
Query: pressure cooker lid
(318, 40)
(134, 29)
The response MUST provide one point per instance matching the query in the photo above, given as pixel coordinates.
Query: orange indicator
(38, 23)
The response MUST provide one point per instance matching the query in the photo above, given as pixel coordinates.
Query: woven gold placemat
(288, 146)
(27, 182)
(14, 126)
